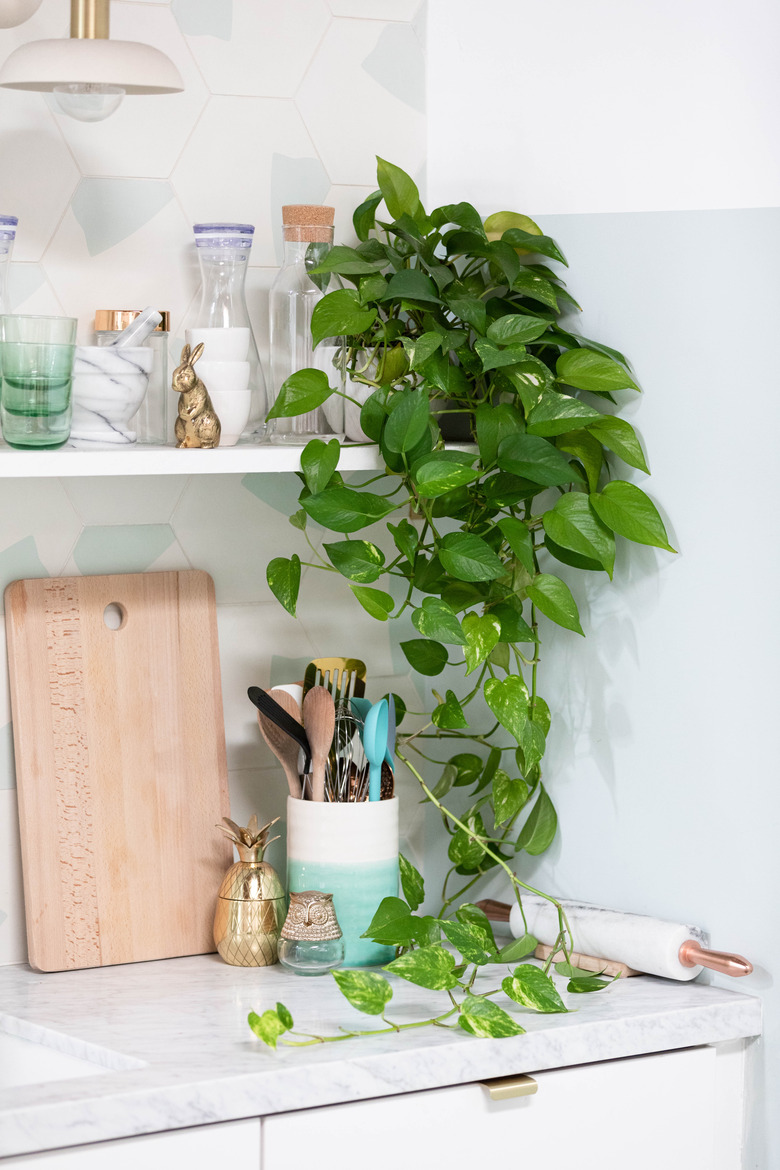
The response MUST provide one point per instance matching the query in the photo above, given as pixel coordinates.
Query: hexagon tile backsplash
(283, 103)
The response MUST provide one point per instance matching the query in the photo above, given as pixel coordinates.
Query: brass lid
(311, 917)
(119, 319)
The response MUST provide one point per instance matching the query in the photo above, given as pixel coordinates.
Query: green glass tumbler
(36, 355)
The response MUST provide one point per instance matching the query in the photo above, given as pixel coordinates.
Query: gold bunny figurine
(197, 424)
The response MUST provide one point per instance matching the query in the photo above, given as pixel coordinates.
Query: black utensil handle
(263, 701)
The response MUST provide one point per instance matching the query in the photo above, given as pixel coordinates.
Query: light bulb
(88, 101)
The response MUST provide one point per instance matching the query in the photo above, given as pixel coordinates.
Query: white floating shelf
(141, 460)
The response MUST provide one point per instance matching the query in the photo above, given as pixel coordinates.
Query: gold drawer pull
(501, 1088)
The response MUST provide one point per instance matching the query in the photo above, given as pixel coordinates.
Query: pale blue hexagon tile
(294, 180)
(121, 548)
(398, 64)
(24, 280)
(204, 18)
(109, 210)
(280, 492)
(7, 764)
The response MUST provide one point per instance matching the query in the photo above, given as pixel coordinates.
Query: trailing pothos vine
(449, 317)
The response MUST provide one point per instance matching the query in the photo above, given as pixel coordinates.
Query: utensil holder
(350, 851)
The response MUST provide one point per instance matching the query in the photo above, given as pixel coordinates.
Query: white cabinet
(206, 1147)
(649, 1112)
(669, 1111)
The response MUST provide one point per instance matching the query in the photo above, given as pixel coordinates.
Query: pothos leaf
(412, 882)
(430, 967)
(368, 991)
(529, 986)
(284, 580)
(482, 1017)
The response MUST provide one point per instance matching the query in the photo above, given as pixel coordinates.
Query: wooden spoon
(319, 719)
(283, 746)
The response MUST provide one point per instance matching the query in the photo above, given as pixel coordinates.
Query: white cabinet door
(206, 1147)
(650, 1113)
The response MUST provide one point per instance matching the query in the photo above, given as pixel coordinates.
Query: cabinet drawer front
(203, 1148)
(649, 1112)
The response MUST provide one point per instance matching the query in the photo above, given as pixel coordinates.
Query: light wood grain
(121, 766)
(587, 962)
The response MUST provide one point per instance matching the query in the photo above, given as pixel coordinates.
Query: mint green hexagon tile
(20, 560)
(257, 48)
(250, 638)
(229, 532)
(338, 626)
(127, 548)
(29, 291)
(126, 499)
(13, 945)
(109, 210)
(397, 63)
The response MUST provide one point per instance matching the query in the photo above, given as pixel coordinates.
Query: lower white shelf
(141, 460)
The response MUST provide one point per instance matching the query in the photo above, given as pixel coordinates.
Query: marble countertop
(177, 1050)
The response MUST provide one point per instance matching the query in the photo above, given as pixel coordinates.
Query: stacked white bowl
(224, 371)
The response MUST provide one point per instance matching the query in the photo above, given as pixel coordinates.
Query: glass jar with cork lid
(308, 237)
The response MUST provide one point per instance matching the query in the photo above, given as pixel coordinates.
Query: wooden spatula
(319, 718)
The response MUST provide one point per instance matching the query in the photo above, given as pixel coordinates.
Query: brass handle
(502, 1088)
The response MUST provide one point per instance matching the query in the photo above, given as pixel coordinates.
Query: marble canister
(109, 384)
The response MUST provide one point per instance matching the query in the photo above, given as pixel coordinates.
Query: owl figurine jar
(311, 941)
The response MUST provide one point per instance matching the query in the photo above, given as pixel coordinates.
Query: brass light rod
(89, 19)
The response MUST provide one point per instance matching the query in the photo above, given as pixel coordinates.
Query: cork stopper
(308, 223)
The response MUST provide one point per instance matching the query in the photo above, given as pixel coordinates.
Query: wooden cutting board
(121, 767)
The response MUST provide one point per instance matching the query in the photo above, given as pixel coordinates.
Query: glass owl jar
(311, 941)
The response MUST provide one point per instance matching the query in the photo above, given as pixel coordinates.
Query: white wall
(620, 127)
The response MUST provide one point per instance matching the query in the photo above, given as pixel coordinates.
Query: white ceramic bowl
(109, 385)
(224, 377)
(220, 345)
(232, 407)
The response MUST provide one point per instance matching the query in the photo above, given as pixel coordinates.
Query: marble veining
(109, 384)
(174, 1040)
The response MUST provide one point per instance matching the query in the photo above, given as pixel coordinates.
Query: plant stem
(370, 1032)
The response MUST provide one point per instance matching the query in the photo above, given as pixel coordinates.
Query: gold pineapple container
(251, 903)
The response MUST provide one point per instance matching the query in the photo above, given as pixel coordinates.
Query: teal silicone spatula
(375, 746)
(390, 746)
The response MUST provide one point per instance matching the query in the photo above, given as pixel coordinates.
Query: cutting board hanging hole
(114, 615)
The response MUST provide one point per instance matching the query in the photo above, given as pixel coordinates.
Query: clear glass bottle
(308, 236)
(8, 225)
(221, 319)
(151, 422)
(311, 942)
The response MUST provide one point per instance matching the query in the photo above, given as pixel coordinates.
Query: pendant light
(88, 73)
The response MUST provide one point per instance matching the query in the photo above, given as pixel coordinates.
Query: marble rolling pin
(636, 941)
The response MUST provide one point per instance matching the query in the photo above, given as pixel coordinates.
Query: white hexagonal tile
(260, 156)
(29, 291)
(259, 48)
(146, 134)
(38, 506)
(262, 791)
(226, 529)
(373, 74)
(376, 9)
(38, 175)
(126, 548)
(126, 499)
(122, 242)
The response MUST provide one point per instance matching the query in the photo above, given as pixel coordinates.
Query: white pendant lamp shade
(16, 12)
(138, 68)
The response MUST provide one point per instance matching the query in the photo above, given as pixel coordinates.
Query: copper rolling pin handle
(691, 954)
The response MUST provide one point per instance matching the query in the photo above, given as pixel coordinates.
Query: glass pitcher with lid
(221, 320)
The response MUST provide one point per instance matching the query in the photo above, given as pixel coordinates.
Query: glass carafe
(221, 320)
(8, 225)
(308, 236)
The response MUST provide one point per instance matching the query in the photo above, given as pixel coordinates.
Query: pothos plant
(446, 315)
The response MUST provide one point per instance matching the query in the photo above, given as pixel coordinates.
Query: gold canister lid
(309, 223)
(119, 319)
(311, 917)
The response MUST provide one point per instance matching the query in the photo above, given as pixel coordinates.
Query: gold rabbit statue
(197, 424)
